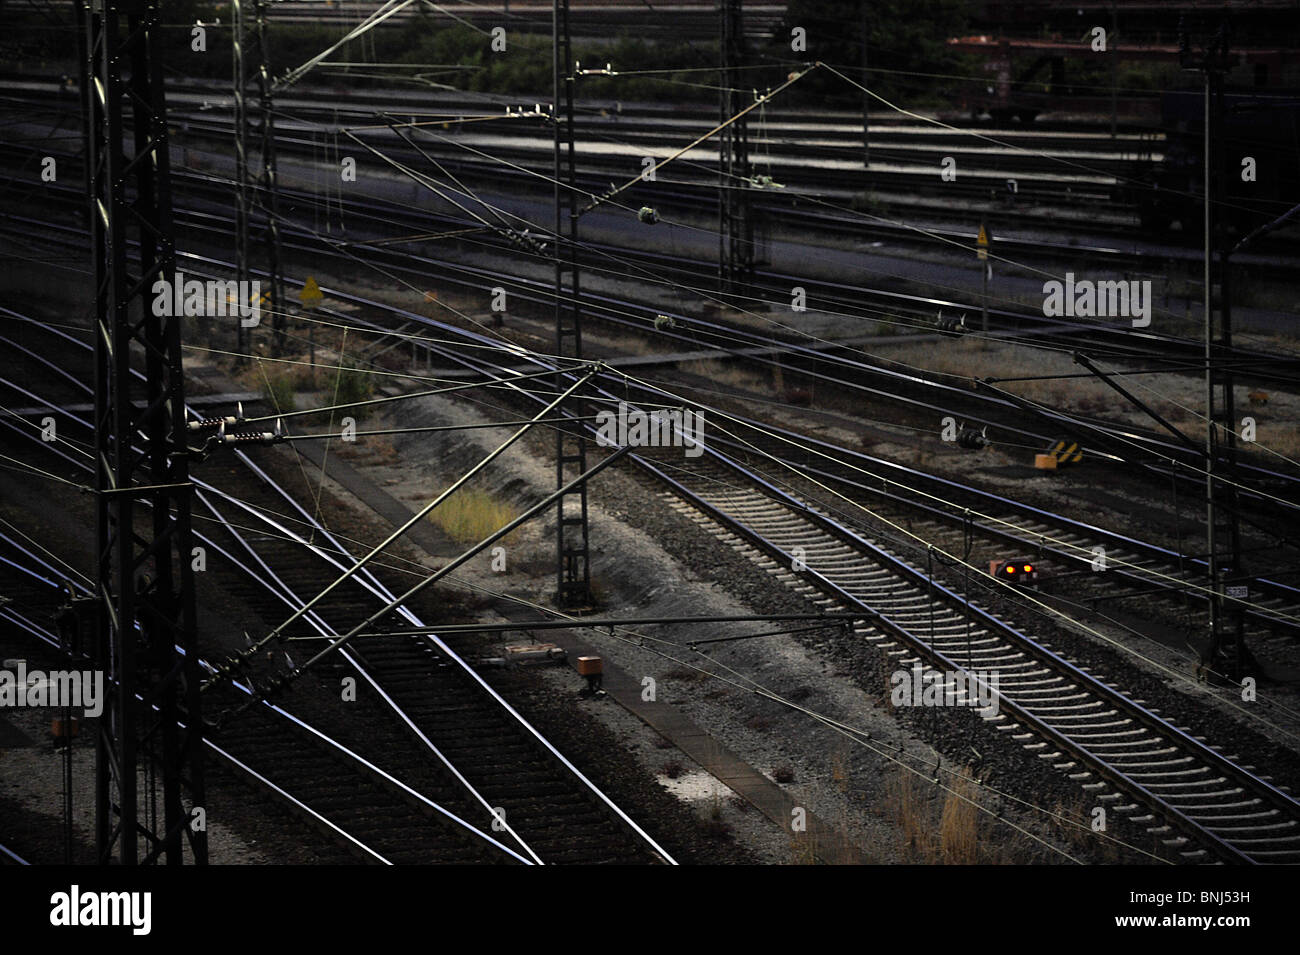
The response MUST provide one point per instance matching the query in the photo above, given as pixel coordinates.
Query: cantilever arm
(1086, 362)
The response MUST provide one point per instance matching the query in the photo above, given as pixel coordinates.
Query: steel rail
(1143, 716)
(375, 586)
(350, 756)
(1160, 552)
(1126, 343)
(909, 477)
(322, 627)
(290, 598)
(1148, 345)
(926, 136)
(1058, 664)
(296, 603)
(1160, 447)
(13, 856)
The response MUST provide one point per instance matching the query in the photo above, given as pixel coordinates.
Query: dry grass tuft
(372, 450)
(470, 515)
(955, 838)
(280, 392)
(959, 825)
(911, 811)
(726, 373)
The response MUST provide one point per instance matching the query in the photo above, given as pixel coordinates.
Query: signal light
(1019, 571)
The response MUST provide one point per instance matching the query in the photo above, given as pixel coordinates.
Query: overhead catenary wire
(1016, 593)
(424, 511)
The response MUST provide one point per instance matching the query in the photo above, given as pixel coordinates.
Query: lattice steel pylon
(1225, 651)
(572, 538)
(735, 222)
(256, 189)
(152, 722)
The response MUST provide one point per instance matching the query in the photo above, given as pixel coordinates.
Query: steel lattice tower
(1226, 651)
(573, 569)
(735, 224)
(152, 721)
(256, 190)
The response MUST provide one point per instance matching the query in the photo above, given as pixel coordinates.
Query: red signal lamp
(1019, 571)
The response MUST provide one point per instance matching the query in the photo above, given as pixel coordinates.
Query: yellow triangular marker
(311, 293)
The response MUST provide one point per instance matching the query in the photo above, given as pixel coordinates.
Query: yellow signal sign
(311, 293)
(983, 242)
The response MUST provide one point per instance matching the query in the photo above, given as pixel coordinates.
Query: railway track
(364, 813)
(1202, 802)
(836, 365)
(1125, 755)
(1198, 800)
(933, 503)
(1148, 565)
(1054, 170)
(503, 771)
(1136, 561)
(1111, 341)
(1119, 253)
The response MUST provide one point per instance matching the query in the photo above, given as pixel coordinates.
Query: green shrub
(279, 390)
(354, 384)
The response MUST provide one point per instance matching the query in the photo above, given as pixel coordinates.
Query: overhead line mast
(145, 639)
(572, 539)
(735, 220)
(257, 188)
(1225, 652)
